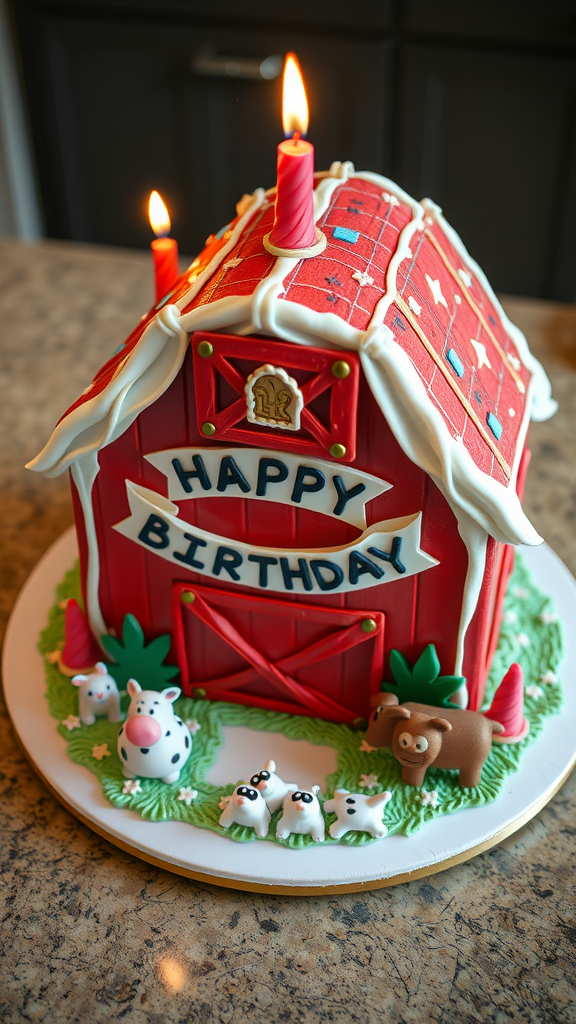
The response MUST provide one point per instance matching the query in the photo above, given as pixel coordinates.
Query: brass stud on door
(368, 625)
(187, 597)
(208, 429)
(205, 349)
(341, 369)
(337, 451)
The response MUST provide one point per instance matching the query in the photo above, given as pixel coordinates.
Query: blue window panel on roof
(455, 362)
(495, 425)
(346, 235)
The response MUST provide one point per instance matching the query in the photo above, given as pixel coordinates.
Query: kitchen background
(470, 103)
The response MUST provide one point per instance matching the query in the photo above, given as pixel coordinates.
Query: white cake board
(261, 866)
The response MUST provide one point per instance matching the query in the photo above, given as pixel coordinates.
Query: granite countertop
(90, 932)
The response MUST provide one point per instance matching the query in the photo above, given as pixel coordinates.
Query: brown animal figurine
(421, 735)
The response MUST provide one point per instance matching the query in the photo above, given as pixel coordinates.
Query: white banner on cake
(254, 473)
(385, 552)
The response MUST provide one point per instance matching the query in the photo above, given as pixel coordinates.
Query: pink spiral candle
(294, 213)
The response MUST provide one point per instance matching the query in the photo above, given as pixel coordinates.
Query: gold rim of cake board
(308, 890)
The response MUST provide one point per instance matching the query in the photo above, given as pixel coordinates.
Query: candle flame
(294, 102)
(158, 215)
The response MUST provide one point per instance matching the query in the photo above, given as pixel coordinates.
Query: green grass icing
(530, 635)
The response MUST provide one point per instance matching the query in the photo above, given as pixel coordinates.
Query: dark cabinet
(450, 104)
(489, 135)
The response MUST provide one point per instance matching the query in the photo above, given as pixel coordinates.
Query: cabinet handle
(206, 63)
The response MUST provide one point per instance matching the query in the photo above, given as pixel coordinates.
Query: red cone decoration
(81, 652)
(508, 705)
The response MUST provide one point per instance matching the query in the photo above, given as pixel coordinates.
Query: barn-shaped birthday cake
(293, 466)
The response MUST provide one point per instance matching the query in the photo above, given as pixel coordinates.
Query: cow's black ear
(441, 723)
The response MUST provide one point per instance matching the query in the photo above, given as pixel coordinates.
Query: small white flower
(72, 722)
(509, 617)
(548, 677)
(429, 799)
(132, 786)
(99, 751)
(409, 254)
(534, 691)
(511, 412)
(187, 794)
(520, 592)
(523, 640)
(458, 300)
(388, 198)
(548, 618)
(514, 361)
(369, 781)
(193, 726)
(414, 306)
(465, 278)
(366, 748)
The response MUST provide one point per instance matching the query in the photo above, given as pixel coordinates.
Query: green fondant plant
(422, 683)
(134, 660)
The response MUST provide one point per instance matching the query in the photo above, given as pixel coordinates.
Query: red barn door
(276, 655)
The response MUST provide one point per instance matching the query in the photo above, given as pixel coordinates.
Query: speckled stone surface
(89, 933)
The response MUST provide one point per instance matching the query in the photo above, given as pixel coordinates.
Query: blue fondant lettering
(154, 533)
(227, 559)
(230, 475)
(301, 573)
(263, 561)
(198, 473)
(392, 556)
(358, 564)
(188, 556)
(265, 478)
(317, 564)
(344, 496)
(317, 482)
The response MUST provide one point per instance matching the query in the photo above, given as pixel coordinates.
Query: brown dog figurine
(421, 735)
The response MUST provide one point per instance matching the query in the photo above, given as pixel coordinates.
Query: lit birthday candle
(294, 232)
(164, 249)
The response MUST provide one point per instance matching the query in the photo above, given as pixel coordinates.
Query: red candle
(294, 213)
(294, 226)
(164, 249)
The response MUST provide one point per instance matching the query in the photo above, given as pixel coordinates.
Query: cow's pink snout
(143, 731)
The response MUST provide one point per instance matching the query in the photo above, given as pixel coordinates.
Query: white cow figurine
(97, 696)
(271, 786)
(356, 812)
(153, 743)
(247, 807)
(302, 814)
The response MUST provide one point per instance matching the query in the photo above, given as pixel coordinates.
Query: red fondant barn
(293, 466)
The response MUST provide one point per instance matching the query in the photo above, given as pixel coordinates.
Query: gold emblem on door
(273, 398)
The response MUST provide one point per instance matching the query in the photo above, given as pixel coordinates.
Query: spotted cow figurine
(153, 743)
(356, 812)
(271, 786)
(98, 696)
(302, 814)
(246, 807)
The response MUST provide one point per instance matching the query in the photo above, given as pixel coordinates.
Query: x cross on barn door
(292, 662)
(328, 381)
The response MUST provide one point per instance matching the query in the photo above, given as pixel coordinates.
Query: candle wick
(296, 137)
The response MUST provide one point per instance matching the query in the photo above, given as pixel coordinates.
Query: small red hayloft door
(284, 656)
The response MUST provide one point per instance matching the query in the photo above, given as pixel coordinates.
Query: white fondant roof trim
(416, 422)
